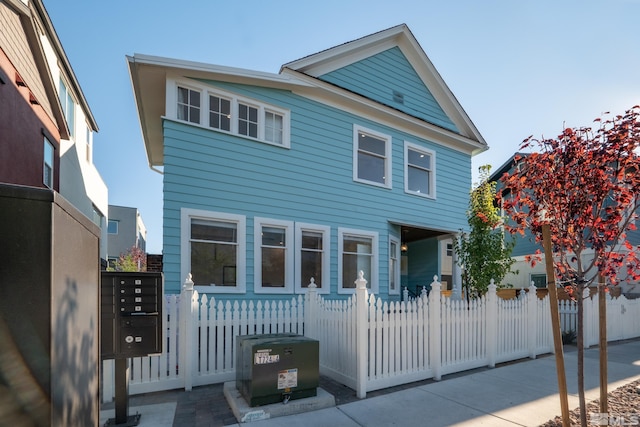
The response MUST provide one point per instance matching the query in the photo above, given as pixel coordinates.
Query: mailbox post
(131, 327)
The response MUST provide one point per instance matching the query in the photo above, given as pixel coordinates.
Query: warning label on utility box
(288, 378)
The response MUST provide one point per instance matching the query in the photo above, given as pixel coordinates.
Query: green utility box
(276, 368)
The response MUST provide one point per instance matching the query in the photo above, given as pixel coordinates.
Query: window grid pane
(219, 113)
(188, 105)
(247, 120)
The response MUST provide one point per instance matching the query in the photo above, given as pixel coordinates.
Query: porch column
(456, 274)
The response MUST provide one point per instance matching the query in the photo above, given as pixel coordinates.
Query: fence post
(532, 311)
(310, 310)
(435, 331)
(362, 324)
(186, 331)
(492, 324)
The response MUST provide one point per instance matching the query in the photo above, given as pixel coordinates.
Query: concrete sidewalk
(522, 393)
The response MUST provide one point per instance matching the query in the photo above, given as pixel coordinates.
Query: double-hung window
(273, 256)
(188, 105)
(213, 250)
(313, 248)
(48, 163)
(419, 170)
(357, 251)
(371, 157)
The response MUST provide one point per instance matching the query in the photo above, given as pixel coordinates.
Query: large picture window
(273, 251)
(419, 166)
(313, 249)
(213, 250)
(357, 251)
(371, 157)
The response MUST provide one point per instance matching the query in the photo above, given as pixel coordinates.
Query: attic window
(398, 97)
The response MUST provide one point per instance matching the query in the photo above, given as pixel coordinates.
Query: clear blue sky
(518, 68)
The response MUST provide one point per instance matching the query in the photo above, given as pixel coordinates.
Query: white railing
(365, 343)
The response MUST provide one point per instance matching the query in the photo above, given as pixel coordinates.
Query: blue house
(354, 158)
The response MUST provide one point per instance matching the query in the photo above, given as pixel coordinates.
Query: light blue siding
(379, 76)
(311, 182)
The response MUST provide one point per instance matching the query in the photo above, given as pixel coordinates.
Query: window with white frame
(371, 157)
(213, 250)
(188, 105)
(394, 266)
(89, 154)
(419, 170)
(539, 280)
(231, 113)
(313, 248)
(48, 163)
(68, 106)
(220, 113)
(273, 252)
(357, 251)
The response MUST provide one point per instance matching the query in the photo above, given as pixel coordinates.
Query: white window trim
(395, 241)
(372, 283)
(258, 223)
(206, 91)
(432, 187)
(387, 161)
(186, 214)
(326, 256)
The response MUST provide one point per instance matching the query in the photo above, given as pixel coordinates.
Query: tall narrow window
(372, 157)
(247, 120)
(188, 105)
(273, 252)
(419, 170)
(48, 163)
(214, 252)
(89, 145)
(68, 107)
(394, 267)
(219, 113)
(313, 245)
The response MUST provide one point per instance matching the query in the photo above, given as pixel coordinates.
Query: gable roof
(149, 73)
(400, 36)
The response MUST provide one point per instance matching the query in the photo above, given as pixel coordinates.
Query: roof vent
(398, 97)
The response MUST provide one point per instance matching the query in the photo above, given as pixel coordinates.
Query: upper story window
(48, 163)
(68, 107)
(371, 157)
(313, 249)
(357, 251)
(419, 170)
(213, 250)
(188, 105)
(112, 226)
(231, 113)
(89, 145)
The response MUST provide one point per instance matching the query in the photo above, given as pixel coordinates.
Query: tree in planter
(482, 253)
(585, 184)
(135, 259)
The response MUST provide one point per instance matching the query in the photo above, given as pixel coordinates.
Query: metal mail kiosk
(131, 314)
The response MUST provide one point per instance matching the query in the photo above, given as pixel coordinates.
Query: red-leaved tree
(586, 182)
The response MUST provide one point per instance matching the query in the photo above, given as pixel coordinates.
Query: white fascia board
(200, 69)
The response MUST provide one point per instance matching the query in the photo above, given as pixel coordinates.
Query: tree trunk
(580, 343)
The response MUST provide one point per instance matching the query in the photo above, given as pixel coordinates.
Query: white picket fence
(365, 343)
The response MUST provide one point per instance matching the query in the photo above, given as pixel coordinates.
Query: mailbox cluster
(131, 314)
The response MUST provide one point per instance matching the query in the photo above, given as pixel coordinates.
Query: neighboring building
(46, 126)
(320, 171)
(524, 274)
(125, 230)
